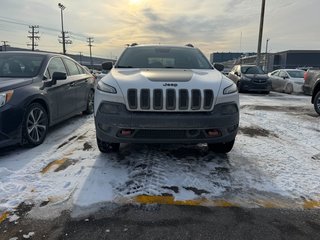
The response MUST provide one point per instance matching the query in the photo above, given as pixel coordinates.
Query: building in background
(303, 59)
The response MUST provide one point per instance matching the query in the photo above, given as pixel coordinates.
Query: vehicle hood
(12, 83)
(256, 76)
(165, 78)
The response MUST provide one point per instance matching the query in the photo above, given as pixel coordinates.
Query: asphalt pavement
(172, 222)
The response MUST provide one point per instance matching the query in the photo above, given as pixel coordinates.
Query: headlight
(230, 89)
(106, 88)
(244, 78)
(5, 97)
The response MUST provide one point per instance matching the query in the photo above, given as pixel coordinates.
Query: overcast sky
(211, 25)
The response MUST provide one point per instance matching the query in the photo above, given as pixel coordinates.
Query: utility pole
(62, 7)
(63, 36)
(5, 45)
(33, 36)
(260, 32)
(90, 41)
(266, 58)
(80, 57)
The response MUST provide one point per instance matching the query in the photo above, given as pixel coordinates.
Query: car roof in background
(289, 69)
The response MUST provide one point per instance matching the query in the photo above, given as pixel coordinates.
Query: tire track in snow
(185, 171)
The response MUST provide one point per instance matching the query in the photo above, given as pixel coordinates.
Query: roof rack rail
(133, 44)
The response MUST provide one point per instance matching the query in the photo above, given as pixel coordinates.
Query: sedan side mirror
(55, 77)
(58, 76)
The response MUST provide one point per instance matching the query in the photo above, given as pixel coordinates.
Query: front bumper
(10, 125)
(154, 127)
(254, 86)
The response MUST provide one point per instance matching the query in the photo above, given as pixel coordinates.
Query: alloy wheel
(36, 124)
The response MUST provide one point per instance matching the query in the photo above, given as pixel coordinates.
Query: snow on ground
(275, 162)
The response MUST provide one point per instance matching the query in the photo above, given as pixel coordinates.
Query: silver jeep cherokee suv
(165, 94)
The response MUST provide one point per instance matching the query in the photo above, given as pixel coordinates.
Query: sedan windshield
(296, 73)
(20, 65)
(163, 57)
(251, 70)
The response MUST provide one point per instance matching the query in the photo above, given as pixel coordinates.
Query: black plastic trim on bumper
(108, 125)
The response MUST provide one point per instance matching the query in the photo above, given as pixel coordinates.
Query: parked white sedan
(287, 80)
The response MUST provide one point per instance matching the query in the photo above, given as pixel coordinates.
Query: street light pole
(62, 7)
(266, 58)
(260, 32)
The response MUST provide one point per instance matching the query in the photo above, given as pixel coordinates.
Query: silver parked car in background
(287, 80)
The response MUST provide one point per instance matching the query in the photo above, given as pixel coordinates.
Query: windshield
(251, 70)
(163, 57)
(296, 73)
(20, 65)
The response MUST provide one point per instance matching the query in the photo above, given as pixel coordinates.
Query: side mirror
(218, 66)
(58, 76)
(107, 66)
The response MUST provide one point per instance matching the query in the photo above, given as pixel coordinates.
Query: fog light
(213, 133)
(126, 132)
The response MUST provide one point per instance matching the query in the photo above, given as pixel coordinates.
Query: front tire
(316, 103)
(239, 87)
(90, 103)
(106, 147)
(221, 147)
(34, 125)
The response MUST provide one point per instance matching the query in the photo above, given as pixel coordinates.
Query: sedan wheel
(317, 103)
(289, 88)
(90, 103)
(35, 125)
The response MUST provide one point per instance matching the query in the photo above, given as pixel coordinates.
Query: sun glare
(135, 2)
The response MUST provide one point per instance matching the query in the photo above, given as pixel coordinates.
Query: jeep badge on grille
(170, 85)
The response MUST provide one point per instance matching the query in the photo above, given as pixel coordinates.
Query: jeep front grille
(170, 99)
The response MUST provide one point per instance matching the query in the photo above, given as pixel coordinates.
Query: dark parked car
(38, 90)
(250, 78)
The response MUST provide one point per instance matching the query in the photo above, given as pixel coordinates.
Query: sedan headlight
(5, 97)
(230, 89)
(106, 88)
(245, 78)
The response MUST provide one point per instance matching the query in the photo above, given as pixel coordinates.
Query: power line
(2, 19)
